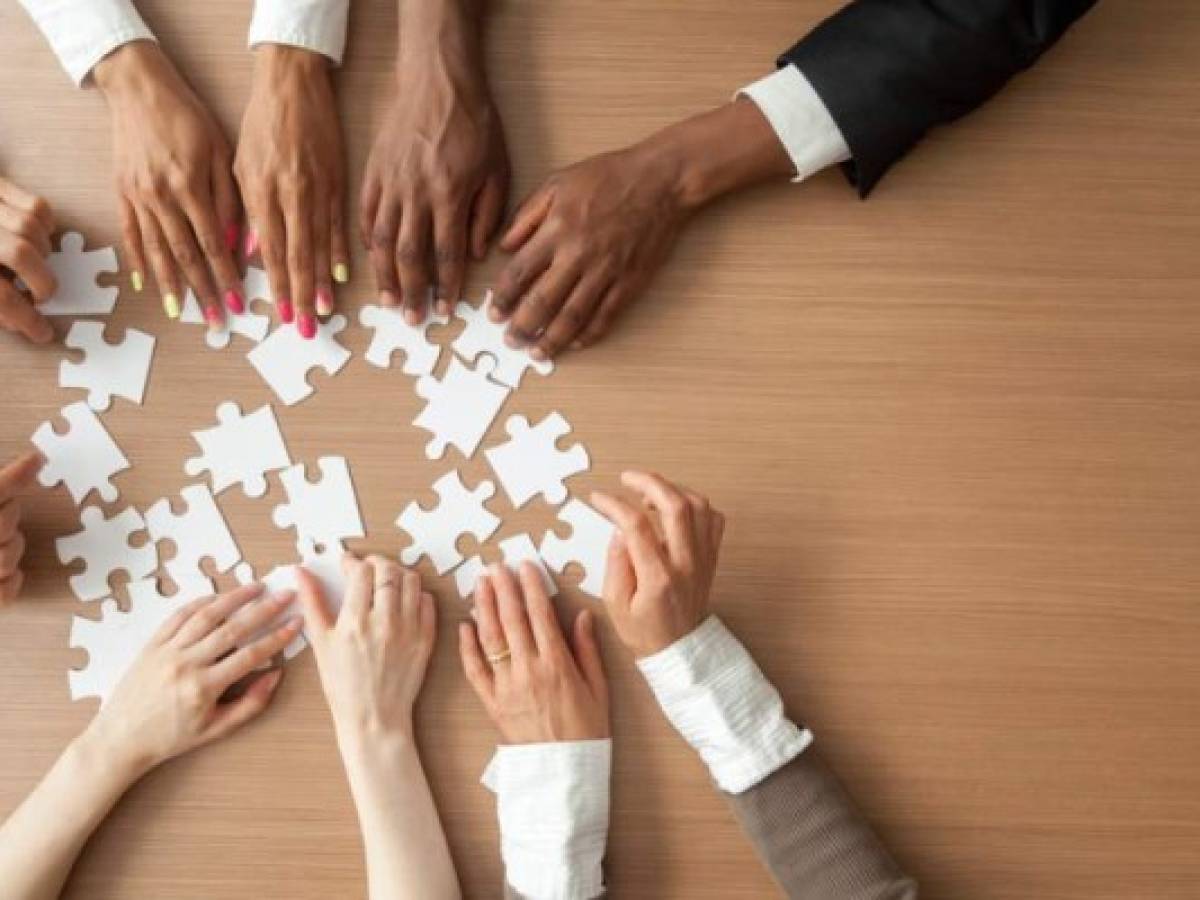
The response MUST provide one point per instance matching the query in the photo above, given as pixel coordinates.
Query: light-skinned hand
(26, 226)
(15, 479)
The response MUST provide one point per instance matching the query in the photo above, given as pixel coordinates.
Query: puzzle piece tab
(392, 333)
(198, 533)
(436, 532)
(83, 459)
(249, 324)
(517, 549)
(108, 370)
(323, 513)
(591, 534)
(241, 449)
(460, 408)
(285, 358)
(104, 547)
(77, 271)
(483, 336)
(529, 462)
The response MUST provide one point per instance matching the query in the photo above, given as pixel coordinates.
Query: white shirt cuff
(719, 700)
(83, 32)
(800, 119)
(552, 802)
(317, 25)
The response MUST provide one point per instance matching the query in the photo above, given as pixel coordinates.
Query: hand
(26, 225)
(373, 655)
(14, 479)
(657, 589)
(170, 700)
(290, 169)
(437, 178)
(535, 687)
(179, 206)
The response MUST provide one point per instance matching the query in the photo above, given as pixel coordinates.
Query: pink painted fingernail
(307, 327)
(286, 313)
(234, 302)
(324, 301)
(212, 315)
(232, 236)
(251, 242)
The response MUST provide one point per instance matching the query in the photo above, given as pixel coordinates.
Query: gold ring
(388, 583)
(499, 657)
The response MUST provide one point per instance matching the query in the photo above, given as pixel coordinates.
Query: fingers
(210, 615)
(384, 227)
(11, 553)
(450, 253)
(162, 264)
(10, 588)
(412, 262)
(27, 263)
(620, 582)
(323, 299)
(131, 238)
(231, 716)
(540, 610)
(606, 313)
(228, 204)
(339, 244)
(575, 314)
(314, 605)
(486, 212)
(541, 304)
(218, 258)
(528, 219)
(19, 475)
(360, 589)
(273, 244)
(637, 535)
(17, 197)
(246, 622)
(18, 315)
(26, 225)
(255, 655)
(296, 206)
(170, 628)
(675, 513)
(487, 618)
(191, 260)
(587, 654)
(475, 667)
(517, 275)
(518, 636)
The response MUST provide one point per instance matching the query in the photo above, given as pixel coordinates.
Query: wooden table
(955, 429)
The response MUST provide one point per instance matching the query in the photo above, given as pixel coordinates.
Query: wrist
(275, 62)
(444, 32)
(129, 67)
(367, 744)
(102, 750)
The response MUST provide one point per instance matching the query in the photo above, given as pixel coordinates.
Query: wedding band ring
(388, 583)
(494, 658)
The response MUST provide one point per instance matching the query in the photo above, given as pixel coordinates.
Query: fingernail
(307, 326)
(495, 314)
(286, 313)
(324, 301)
(443, 307)
(234, 301)
(537, 353)
(387, 298)
(171, 305)
(414, 317)
(135, 278)
(216, 321)
(513, 340)
(341, 273)
(232, 235)
(251, 242)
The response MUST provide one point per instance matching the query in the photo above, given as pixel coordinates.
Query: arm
(14, 479)
(437, 180)
(373, 656)
(801, 821)
(168, 703)
(549, 700)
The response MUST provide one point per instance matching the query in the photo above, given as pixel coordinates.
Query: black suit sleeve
(889, 70)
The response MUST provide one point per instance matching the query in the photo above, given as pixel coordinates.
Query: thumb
(620, 580)
(19, 475)
(587, 654)
(527, 220)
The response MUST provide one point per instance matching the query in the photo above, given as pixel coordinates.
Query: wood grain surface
(954, 428)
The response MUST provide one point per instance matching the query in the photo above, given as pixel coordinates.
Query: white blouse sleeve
(83, 32)
(317, 25)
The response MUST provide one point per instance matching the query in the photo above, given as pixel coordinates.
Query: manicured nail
(135, 278)
(538, 354)
(234, 301)
(214, 318)
(232, 236)
(324, 301)
(286, 313)
(307, 326)
(341, 273)
(251, 242)
(171, 305)
(414, 317)
(387, 298)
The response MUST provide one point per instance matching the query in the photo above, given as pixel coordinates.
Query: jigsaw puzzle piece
(517, 549)
(436, 532)
(323, 513)
(77, 271)
(483, 336)
(285, 358)
(392, 333)
(529, 462)
(326, 566)
(108, 370)
(84, 458)
(240, 450)
(249, 324)
(198, 533)
(104, 547)
(591, 534)
(460, 408)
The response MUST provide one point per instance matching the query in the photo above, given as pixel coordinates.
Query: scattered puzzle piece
(436, 532)
(198, 533)
(108, 370)
(248, 323)
(483, 336)
(285, 358)
(529, 462)
(323, 513)
(104, 547)
(326, 565)
(588, 545)
(83, 459)
(392, 333)
(241, 449)
(517, 549)
(460, 408)
(77, 270)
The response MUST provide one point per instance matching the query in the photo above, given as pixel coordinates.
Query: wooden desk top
(955, 429)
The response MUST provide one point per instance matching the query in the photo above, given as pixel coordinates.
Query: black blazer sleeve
(889, 70)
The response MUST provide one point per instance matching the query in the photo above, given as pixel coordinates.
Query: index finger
(674, 512)
(18, 315)
(19, 475)
(15, 195)
(542, 618)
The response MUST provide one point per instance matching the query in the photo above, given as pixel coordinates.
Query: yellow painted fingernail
(171, 305)
(135, 278)
(341, 273)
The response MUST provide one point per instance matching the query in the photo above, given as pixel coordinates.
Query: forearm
(405, 845)
(451, 28)
(42, 839)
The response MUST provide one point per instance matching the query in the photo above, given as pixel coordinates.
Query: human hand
(374, 653)
(290, 169)
(535, 688)
(170, 702)
(437, 179)
(14, 479)
(179, 206)
(26, 225)
(657, 589)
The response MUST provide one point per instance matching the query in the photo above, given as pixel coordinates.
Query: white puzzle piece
(77, 270)
(481, 335)
(84, 459)
(104, 547)
(198, 533)
(517, 549)
(115, 641)
(436, 532)
(240, 450)
(249, 324)
(392, 333)
(591, 534)
(323, 512)
(327, 567)
(108, 370)
(529, 462)
(460, 408)
(285, 358)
